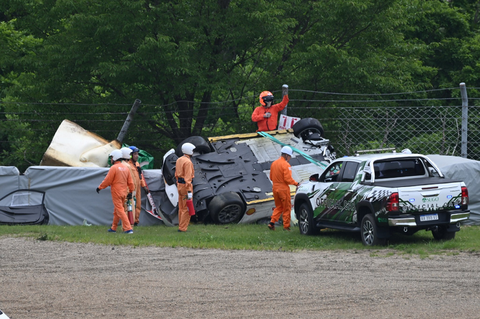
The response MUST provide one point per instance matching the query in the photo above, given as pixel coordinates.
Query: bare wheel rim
(229, 213)
(367, 232)
(303, 221)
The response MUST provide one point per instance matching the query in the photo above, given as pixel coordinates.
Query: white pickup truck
(379, 194)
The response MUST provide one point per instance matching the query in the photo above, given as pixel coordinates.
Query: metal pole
(127, 122)
(463, 91)
(284, 92)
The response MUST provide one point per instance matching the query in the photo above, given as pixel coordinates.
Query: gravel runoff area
(45, 279)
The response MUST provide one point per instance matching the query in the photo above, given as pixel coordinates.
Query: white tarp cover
(468, 171)
(70, 195)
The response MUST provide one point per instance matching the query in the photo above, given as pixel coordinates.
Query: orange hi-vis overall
(139, 182)
(133, 172)
(184, 170)
(121, 183)
(281, 177)
(268, 124)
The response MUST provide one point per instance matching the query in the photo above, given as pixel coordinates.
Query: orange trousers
(283, 207)
(183, 214)
(119, 213)
(138, 204)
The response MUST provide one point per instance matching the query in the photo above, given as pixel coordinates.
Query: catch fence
(422, 129)
(438, 121)
(422, 122)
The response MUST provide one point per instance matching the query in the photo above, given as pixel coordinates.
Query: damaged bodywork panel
(232, 181)
(74, 146)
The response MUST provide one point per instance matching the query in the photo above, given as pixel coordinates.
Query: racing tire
(226, 208)
(369, 232)
(306, 126)
(201, 146)
(168, 169)
(441, 233)
(306, 223)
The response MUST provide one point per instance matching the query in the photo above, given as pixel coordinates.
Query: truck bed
(405, 182)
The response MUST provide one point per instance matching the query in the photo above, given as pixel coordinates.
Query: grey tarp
(468, 171)
(23, 207)
(8, 180)
(70, 195)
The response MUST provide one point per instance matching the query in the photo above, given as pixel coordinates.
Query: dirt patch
(44, 279)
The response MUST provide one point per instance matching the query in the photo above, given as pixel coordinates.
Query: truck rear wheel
(369, 232)
(441, 233)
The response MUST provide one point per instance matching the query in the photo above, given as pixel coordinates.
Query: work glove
(189, 195)
(146, 190)
(298, 185)
(267, 115)
(98, 190)
(129, 196)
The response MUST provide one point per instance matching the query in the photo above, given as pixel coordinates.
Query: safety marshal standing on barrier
(281, 177)
(184, 173)
(266, 115)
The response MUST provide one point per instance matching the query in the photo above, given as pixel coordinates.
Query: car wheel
(201, 146)
(226, 208)
(307, 126)
(441, 233)
(168, 169)
(369, 232)
(306, 223)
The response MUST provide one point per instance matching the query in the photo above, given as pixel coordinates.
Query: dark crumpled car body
(232, 182)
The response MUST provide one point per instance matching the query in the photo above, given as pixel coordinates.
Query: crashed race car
(231, 183)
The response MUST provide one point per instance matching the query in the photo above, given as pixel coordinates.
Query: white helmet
(406, 151)
(188, 148)
(287, 150)
(116, 155)
(126, 152)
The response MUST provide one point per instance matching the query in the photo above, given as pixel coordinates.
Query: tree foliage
(198, 66)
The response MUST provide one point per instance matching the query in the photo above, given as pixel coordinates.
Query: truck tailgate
(430, 197)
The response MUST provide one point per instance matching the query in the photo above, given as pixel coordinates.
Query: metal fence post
(284, 92)
(463, 91)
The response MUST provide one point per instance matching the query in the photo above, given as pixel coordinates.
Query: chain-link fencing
(426, 129)
(433, 122)
(427, 122)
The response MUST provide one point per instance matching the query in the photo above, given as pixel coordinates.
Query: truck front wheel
(306, 223)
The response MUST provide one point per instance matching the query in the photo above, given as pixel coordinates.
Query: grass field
(250, 237)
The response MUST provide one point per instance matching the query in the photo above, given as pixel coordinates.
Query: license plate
(427, 218)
